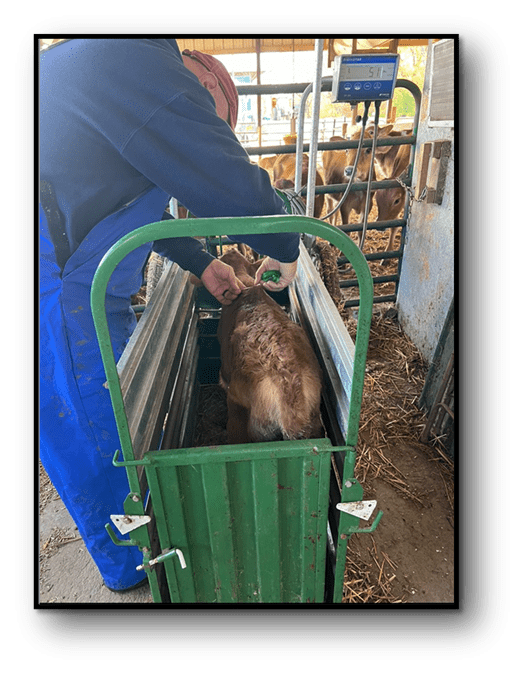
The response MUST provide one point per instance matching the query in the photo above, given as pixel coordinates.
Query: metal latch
(127, 522)
(362, 510)
(163, 557)
(433, 170)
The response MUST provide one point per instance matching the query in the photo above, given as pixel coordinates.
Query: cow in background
(282, 171)
(335, 164)
(392, 162)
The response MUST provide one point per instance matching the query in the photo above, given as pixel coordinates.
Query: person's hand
(220, 280)
(287, 271)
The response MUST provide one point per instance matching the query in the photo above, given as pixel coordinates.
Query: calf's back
(269, 371)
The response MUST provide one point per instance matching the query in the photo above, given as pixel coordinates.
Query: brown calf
(268, 368)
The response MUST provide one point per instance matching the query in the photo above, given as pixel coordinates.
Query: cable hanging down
(367, 106)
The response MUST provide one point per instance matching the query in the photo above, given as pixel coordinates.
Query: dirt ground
(410, 556)
(409, 559)
(67, 574)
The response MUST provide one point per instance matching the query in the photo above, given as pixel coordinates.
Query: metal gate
(251, 522)
(301, 147)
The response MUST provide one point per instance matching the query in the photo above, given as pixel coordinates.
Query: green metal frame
(263, 458)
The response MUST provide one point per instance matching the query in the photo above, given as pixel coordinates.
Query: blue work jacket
(119, 117)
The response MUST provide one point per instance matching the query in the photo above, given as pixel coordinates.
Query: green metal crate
(237, 523)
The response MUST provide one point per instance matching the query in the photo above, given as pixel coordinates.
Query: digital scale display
(361, 72)
(363, 77)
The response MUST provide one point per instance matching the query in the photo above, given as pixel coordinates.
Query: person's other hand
(220, 280)
(287, 271)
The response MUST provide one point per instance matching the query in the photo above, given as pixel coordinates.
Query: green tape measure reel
(272, 275)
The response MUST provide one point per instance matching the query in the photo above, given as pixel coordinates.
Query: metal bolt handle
(164, 557)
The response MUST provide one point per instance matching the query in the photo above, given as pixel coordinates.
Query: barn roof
(241, 45)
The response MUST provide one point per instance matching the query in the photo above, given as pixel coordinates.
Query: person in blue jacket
(124, 127)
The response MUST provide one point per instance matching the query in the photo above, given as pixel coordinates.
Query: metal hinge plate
(126, 522)
(362, 510)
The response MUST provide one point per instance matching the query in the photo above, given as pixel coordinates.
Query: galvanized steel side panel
(251, 523)
(146, 367)
(314, 309)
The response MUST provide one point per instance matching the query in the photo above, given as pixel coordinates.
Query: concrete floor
(67, 574)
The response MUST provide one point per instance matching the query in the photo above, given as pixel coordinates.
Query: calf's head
(244, 270)
(364, 160)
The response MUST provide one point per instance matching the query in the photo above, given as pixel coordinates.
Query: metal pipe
(311, 179)
(378, 226)
(376, 300)
(259, 112)
(372, 256)
(330, 145)
(416, 94)
(368, 191)
(300, 147)
(353, 283)
(358, 186)
(288, 88)
(299, 138)
(326, 86)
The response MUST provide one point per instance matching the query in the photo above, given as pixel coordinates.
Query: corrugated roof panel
(244, 45)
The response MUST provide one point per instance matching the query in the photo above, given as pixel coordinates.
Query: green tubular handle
(230, 226)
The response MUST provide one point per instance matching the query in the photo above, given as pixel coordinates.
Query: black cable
(367, 105)
(366, 209)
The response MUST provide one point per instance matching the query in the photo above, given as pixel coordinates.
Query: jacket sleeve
(193, 155)
(187, 252)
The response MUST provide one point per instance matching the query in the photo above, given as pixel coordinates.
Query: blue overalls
(77, 426)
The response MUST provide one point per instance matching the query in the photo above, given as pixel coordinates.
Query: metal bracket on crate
(362, 510)
(163, 557)
(117, 541)
(131, 463)
(125, 523)
(130, 521)
(371, 528)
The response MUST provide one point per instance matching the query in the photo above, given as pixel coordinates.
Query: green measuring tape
(272, 275)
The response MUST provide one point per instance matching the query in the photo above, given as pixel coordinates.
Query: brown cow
(335, 164)
(282, 171)
(267, 164)
(392, 162)
(268, 368)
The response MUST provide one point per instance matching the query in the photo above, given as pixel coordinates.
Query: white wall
(427, 277)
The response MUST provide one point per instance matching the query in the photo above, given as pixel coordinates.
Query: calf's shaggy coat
(268, 368)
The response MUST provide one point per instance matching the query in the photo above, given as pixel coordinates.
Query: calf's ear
(255, 265)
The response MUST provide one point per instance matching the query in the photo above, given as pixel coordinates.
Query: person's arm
(187, 150)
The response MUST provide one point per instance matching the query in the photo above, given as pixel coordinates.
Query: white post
(316, 94)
